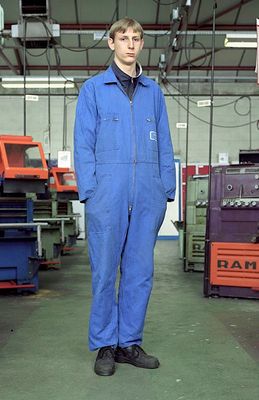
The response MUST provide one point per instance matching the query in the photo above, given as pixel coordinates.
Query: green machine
(71, 223)
(193, 235)
(55, 208)
(52, 234)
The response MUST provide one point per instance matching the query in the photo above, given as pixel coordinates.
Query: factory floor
(208, 347)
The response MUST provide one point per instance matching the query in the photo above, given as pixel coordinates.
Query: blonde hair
(123, 24)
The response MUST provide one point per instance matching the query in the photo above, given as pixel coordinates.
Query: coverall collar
(109, 77)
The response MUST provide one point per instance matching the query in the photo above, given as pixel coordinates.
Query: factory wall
(12, 120)
(230, 133)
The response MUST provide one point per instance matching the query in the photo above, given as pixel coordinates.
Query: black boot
(136, 356)
(104, 363)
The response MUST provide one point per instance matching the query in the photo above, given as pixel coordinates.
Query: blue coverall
(125, 172)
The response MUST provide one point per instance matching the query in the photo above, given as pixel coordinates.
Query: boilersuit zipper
(134, 153)
(134, 144)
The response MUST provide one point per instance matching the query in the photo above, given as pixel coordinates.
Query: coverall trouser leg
(129, 242)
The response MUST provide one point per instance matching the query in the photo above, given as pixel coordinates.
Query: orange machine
(62, 181)
(64, 189)
(235, 264)
(23, 167)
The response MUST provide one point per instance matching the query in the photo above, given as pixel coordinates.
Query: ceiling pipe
(98, 26)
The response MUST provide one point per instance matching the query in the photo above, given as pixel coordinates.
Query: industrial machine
(232, 236)
(196, 209)
(64, 190)
(63, 182)
(23, 167)
(248, 156)
(23, 171)
(52, 233)
(55, 208)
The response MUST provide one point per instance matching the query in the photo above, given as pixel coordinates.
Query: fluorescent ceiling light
(17, 82)
(240, 40)
(36, 85)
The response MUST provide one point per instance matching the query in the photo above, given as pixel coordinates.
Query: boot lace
(106, 352)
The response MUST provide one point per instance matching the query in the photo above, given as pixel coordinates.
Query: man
(125, 172)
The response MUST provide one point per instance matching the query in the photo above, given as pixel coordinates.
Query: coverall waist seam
(128, 162)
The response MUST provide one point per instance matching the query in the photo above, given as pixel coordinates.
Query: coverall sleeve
(166, 152)
(84, 142)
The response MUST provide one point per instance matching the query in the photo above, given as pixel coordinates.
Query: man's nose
(131, 44)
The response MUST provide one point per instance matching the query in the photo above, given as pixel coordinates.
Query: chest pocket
(151, 135)
(108, 133)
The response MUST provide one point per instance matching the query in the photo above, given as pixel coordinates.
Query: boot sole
(109, 373)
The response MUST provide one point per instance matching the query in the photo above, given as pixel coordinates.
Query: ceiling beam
(19, 61)
(144, 67)
(238, 12)
(196, 19)
(223, 27)
(151, 27)
(77, 21)
(176, 25)
(198, 59)
(8, 62)
(226, 11)
(102, 26)
(220, 68)
(156, 20)
(59, 47)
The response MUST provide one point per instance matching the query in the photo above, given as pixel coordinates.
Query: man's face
(126, 46)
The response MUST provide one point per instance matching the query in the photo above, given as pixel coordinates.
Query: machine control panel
(240, 203)
(201, 203)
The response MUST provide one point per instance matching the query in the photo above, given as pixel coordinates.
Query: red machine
(23, 171)
(62, 180)
(23, 166)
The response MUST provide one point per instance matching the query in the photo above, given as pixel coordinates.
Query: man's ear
(111, 43)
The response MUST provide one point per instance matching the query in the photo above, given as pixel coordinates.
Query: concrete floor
(208, 348)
